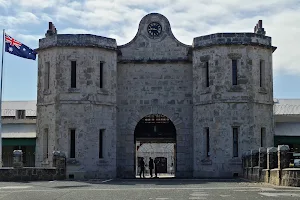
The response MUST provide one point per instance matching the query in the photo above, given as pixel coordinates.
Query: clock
(154, 29)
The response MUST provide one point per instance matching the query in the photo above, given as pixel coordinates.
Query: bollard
(59, 159)
(17, 159)
(262, 160)
(272, 158)
(283, 156)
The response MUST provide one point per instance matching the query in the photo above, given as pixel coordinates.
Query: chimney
(258, 29)
(51, 30)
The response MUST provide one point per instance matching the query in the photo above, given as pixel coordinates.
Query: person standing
(142, 166)
(155, 166)
(151, 166)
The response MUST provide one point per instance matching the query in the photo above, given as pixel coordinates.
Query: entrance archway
(155, 136)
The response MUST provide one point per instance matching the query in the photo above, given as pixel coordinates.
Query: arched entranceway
(155, 137)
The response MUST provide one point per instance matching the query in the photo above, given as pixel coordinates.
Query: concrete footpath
(154, 189)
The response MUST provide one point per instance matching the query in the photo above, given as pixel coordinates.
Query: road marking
(198, 194)
(136, 188)
(162, 198)
(256, 190)
(279, 194)
(107, 180)
(225, 195)
(15, 187)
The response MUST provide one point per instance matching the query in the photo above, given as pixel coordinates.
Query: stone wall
(57, 171)
(154, 89)
(32, 174)
(277, 171)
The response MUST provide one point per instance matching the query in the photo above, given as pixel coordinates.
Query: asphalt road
(145, 189)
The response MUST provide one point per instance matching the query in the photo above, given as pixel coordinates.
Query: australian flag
(16, 48)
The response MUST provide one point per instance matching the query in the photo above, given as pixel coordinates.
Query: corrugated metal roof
(287, 106)
(9, 107)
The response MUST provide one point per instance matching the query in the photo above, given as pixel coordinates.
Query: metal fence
(28, 159)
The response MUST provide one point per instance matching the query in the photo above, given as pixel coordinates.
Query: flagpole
(1, 82)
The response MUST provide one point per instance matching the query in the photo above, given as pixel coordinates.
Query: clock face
(154, 29)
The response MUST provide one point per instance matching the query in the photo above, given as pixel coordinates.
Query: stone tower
(76, 109)
(232, 99)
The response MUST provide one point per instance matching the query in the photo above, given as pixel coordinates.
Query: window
(263, 137)
(207, 74)
(101, 74)
(45, 142)
(72, 143)
(235, 142)
(73, 74)
(207, 142)
(47, 75)
(234, 72)
(20, 114)
(101, 133)
(261, 73)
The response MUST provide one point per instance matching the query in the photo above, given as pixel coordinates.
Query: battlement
(258, 29)
(252, 39)
(53, 39)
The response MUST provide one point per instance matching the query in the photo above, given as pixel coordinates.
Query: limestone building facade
(216, 96)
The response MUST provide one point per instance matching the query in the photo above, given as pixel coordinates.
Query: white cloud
(119, 19)
(20, 18)
(4, 3)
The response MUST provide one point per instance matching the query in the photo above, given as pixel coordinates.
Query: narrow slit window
(207, 74)
(47, 75)
(235, 142)
(72, 143)
(73, 74)
(46, 143)
(101, 74)
(262, 73)
(263, 137)
(234, 72)
(101, 133)
(207, 142)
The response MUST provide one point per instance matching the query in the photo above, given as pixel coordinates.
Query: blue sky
(27, 21)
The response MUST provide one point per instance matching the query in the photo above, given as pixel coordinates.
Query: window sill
(103, 91)
(102, 162)
(74, 90)
(73, 161)
(206, 161)
(235, 88)
(206, 90)
(235, 161)
(45, 162)
(47, 92)
(263, 90)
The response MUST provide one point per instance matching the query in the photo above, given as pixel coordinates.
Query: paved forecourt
(155, 189)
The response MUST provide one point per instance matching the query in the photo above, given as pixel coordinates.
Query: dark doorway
(155, 137)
